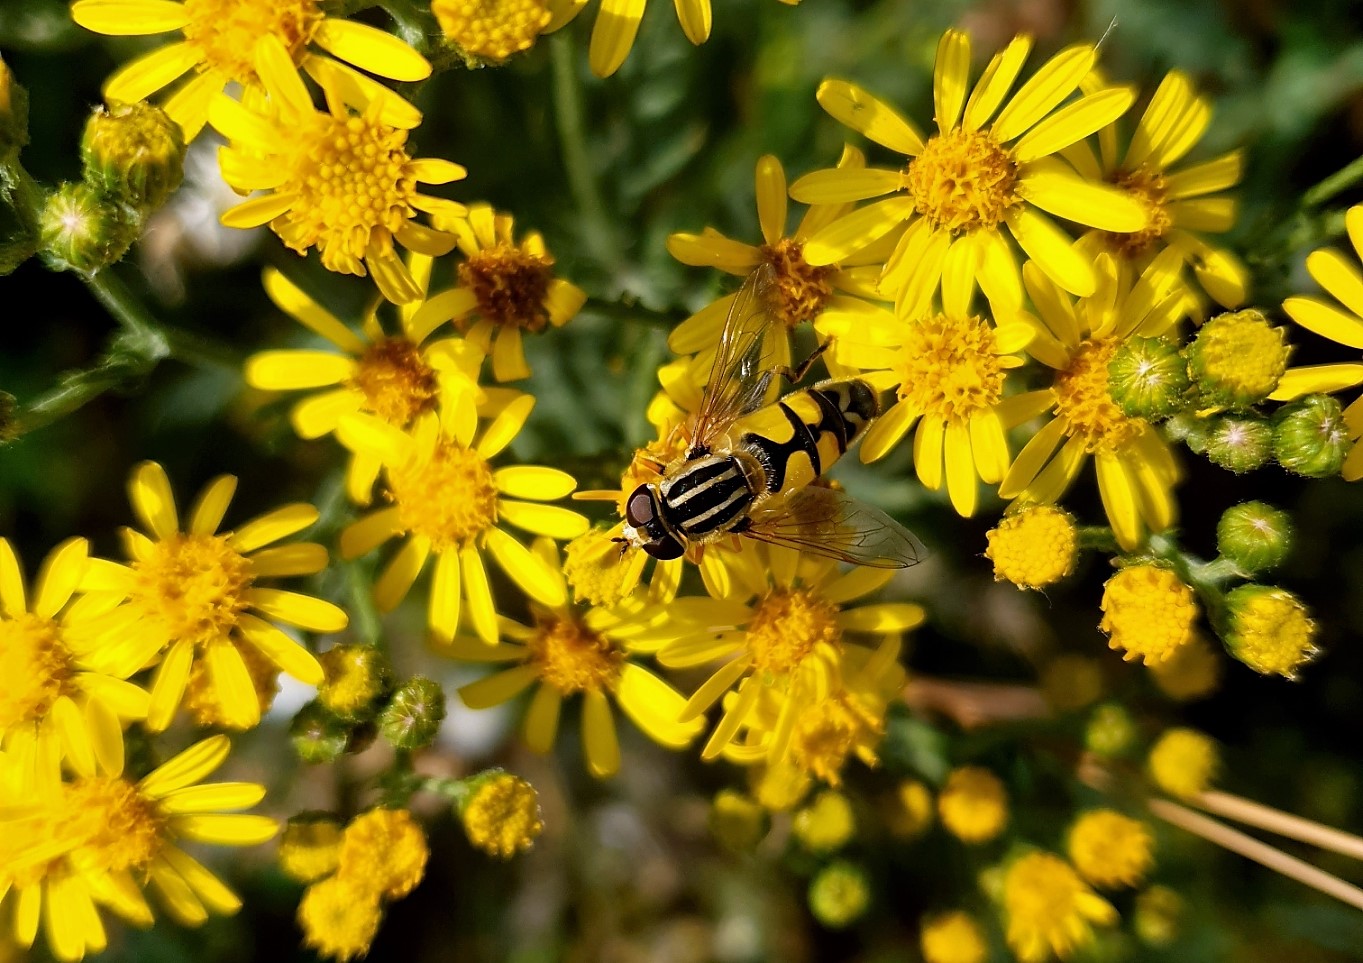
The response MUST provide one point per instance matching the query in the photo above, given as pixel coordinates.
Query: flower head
(990, 166)
(339, 917)
(219, 41)
(492, 32)
(134, 153)
(1192, 672)
(501, 814)
(1148, 613)
(198, 594)
(384, 851)
(1110, 850)
(1183, 762)
(952, 937)
(826, 824)
(1270, 630)
(839, 894)
(973, 804)
(911, 809)
(1049, 909)
(1237, 359)
(310, 847)
(339, 180)
(1033, 547)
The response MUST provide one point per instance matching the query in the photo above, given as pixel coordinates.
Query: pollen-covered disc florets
(501, 814)
(510, 284)
(963, 180)
(1150, 188)
(949, 367)
(572, 658)
(224, 32)
(448, 496)
(37, 668)
(1109, 849)
(491, 30)
(1148, 613)
(787, 626)
(1083, 398)
(1183, 762)
(973, 804)
(397, 384)
(801, 289)
(1270, 630)
(193, 585)
(1237, 359)
(1033, 547)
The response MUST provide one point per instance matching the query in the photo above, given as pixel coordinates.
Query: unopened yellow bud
(1033, 547)
(826, 824)
(1183, 762)
(953, 938)
(1270, 630)
(310, 847)
(1110, 850)
(1193, 672)
(489, 33)
(973, 804)
(501, 813)
(357, 677)
(1237, 358)
(910, 810)
(134, 154)
(1148, 613)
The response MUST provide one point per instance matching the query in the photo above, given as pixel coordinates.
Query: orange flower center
(963, 181)
(787, 627)
(949, 368)
(801, 289)
(510, 284)
(193, 585)
(36, 667)
(1152, 191)
(572, 658)
(1082, 398)
(448, 495)
(396, 383)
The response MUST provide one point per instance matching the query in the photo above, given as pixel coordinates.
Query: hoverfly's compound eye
(639, 508)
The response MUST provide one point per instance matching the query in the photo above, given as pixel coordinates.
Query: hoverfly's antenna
(624, 544)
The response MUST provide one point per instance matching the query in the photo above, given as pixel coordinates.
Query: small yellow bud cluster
(1033, 547)
(1110, 850)
(1270, 630)
(1148, 613)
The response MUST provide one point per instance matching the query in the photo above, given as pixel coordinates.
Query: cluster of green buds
(1209, 394)
(358, 701)
(132, 159)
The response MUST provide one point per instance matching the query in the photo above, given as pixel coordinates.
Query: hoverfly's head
(644, 526)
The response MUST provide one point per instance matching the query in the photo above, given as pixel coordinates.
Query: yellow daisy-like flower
(1076, 339)
(195, 595)
(105, 836)
(504, 289)
(569, 652)
(396, 377)
(833, 296)
(339, 180)
(775, 621)
(973, 805)
(447, 500)
(1110, 850)
(1181, 204)
(1049, 909)
(1340, 320)
(947, 370)
(1183, 762)
(501, 814)
(219, 44)
(1148, 613)
(62, 699)
(990, 166)
(953, 937)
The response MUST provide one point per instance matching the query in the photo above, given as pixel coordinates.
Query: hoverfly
(749, 465)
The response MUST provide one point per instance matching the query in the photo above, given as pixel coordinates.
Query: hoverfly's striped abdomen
(800, 437)
(709, 494)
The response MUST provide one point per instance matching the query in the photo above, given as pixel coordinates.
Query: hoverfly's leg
(792, 375)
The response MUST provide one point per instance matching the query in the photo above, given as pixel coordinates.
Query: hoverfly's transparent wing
(741, 370)
(832, 523)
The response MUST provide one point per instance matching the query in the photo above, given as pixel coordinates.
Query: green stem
(1342, 179)
(130, 313)
(1097, 538)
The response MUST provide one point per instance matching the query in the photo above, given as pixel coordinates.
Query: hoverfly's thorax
(707, 495)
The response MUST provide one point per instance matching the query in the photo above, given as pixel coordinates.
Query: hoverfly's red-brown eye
(639, 508)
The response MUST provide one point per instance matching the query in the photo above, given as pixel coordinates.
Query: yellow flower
(384, 851)
(911, 809)
(1270, 630)
(339, 180)
(105, 836)
(396, 377)
(201, 701)
(448, 500)
(973, 805)
(826, 824)
(1110, 850)
(1049, 909)
(188, 595)
(1341, 321)
(490, 32)
(339, 917)
(63, 698)
(1183, 762)
(1237, 359)
(1071, 682)
(832, 296)
(1148, 613)
(355, 678)
(568, 652)
(953, 938)
(220, 38)
(1181, 204)
(1192, 672)
(310, 848)
(1033, 546)
(1136, 470)
(990, 166)
(507, 287)
(501, 814)
(775, 620)
(948, 370)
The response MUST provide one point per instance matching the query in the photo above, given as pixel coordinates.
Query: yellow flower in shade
(570, 651)
(1049, 909)
(310, 847)
(339, 917)
(827, 824)
(218, 46)
(1077, 339)
(447, 500)
(1033, 546)
(1110, 850)
(953, 937)
(990, 166)
(775, 622)
(397, 377)
(973, 805)
(491, 31)
(1182, 201)
(1192, 672)
(339, 180)
(910, 809)
(1071, 682)
(104, 837)
(1340, 320)
(201, 701)
(1270, 630)
(947, 369)
(385, 851)
(196, 595)
(833, 296)
(1183, 762)
(62, 699)
(504, 289)
(501, 814)
(1148, 613)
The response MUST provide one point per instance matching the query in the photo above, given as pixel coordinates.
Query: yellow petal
(532, 481)
(1119, 500)
(175, 895)
(188, 767)
(77, 747)
(1032, 458)
(550, 520)
(230, 829)
(960, 468)
(841, 185)
(288, 656)
(319, 414)
(617, 22)
(482, 612)
(1052, 251)
(951, 78)
(771, 198)
(61, 574)
(854, 231)
(866, 114)
(304, 611)
(927, 452)
(995, 82)
(272, 526)
(298, 305)
(1107, 208)
(541, 719)
(139, 79)
(886, 617)
(1319, 378)
(500, 687)
(712, 249)
(232, 685)
(446, 596)
(354, 87)
(887, 431)
(168, 685)
(527, 569)
(129, 18)
(370, 532)
(300, 558)
(152, 501)
(205, 885)
(1326, 320)
(1205, 178)
(655, 707)
(694, 16)
(11, 582)
(598, 735)
(257, 211)
(371, 49)
(989, 446)
(505, 427)
(1073, 123)
(396, 581)
(292, 370)
(1050, 85)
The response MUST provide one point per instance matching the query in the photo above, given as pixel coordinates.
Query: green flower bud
(413, 716)
(1148, 378)
(317, 735)
(357, 680)
(1238, 443)
(133, 153)
(1254, 535)
(1310, 436)
(1111, 731)
(737, 820)
(839, 894)
(13, 115)
(82, 231)
(1159, 912)
(1188, 428)
(1270, 630)
(1236, 359)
